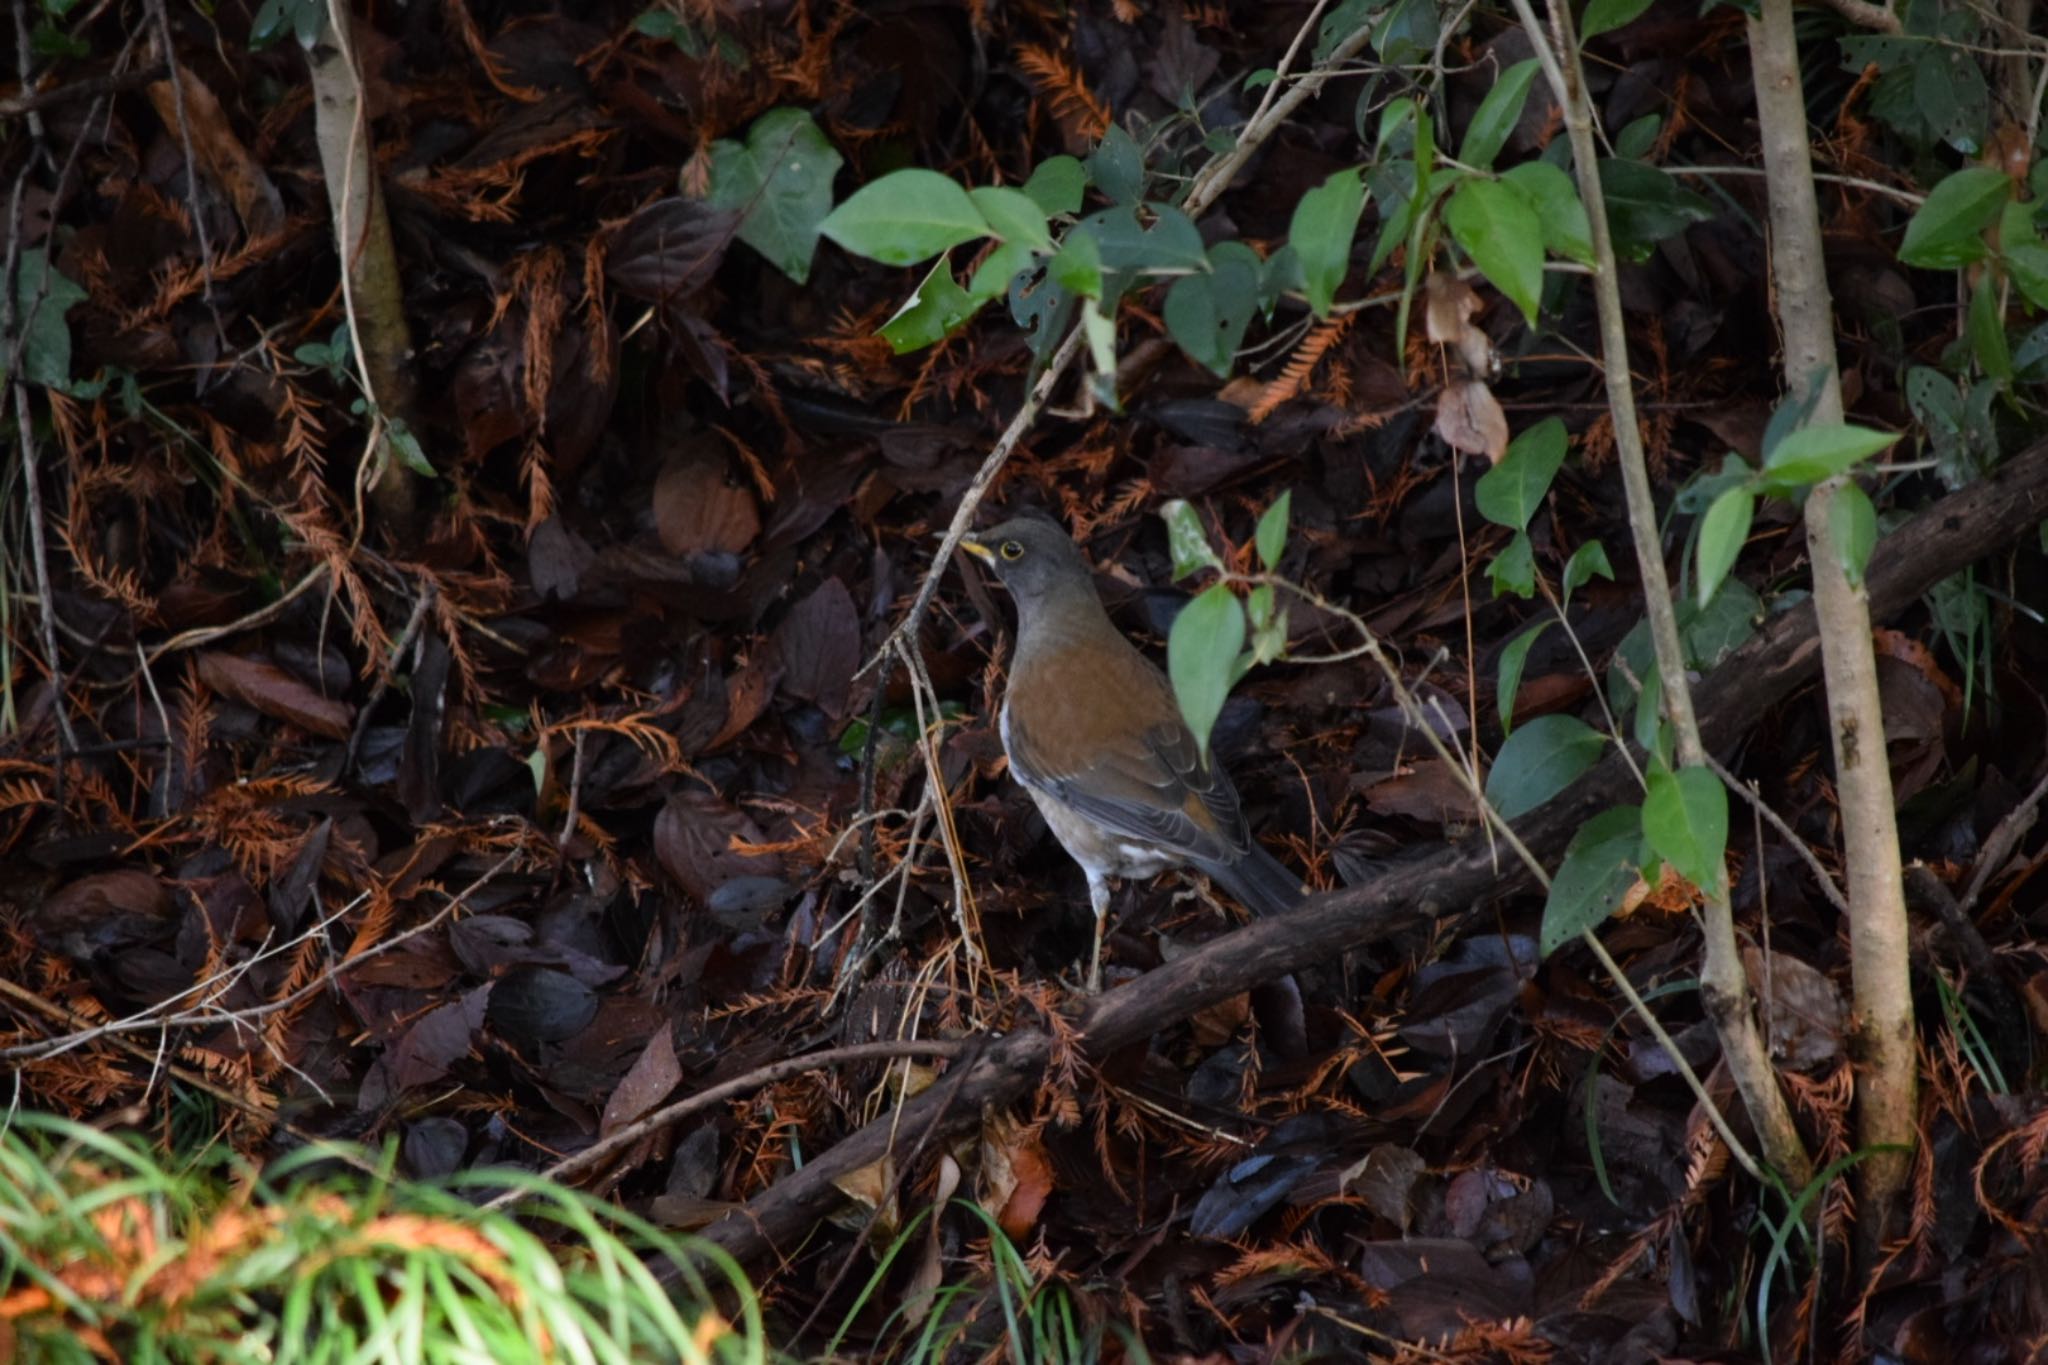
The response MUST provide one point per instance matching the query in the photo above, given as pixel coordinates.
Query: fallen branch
(1783, 656)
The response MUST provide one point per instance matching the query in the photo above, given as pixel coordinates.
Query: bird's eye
(1011, 550)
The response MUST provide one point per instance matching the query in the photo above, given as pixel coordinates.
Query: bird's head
(1035, 559)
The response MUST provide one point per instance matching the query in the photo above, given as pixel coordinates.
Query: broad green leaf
(1207, 314)
(1407, 32)
(1498, 114)
(1187, 540)
(997, 269)
(1117, 167)
(1502, 234)
(1013, 214)
(1078, 266)
(1948, 229)
(42, 296)
(1324, 223)
(1722, 532)
(1713, 632)
(1509, 493)
(1645, 205)
(938, 306)
(1513, 570)
(1639, 138)
(1587, 562)
(1598, 869)
(1271, 537)
(1540, 760)
(1811, 454)
(1987, 331)
(1853, 521)
(1551, 193)
(1057, 185)
(1201, 656)
(905, 217)
(1512, 660)
(2027, 263)
(780, 183)
(1685, 818)
(1604, 16)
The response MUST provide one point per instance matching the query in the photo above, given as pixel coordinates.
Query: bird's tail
(1259, 882)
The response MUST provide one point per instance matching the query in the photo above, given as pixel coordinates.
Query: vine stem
(1723, 983)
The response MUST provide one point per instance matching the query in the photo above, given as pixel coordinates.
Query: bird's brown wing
(1148, 784)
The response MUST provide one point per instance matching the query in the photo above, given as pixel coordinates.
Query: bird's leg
(1098, 898)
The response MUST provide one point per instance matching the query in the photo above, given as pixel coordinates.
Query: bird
(1094, 734)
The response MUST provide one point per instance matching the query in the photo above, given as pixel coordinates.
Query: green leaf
(2027, 263)
(1269, 626)
(1057, 185)
(998, 269)
(1509, 493)
(42, 296)
(1604, 16)
(1258, 606)
(1540, 760)
(1098, 329)
(1811, 454)
(1513, 570)
(1498, 114)
(1713, 632)
(1586, 562)
(1013, 214)
(1639, 138)
(1948, 229)
(1207, 314)
(1685, 818)
(1324, 223)
(1271, 537)
(1117, 167)
(905, 217)
(1645, 205)
(1502, 234)
(1201, 654)
(1853, 522)
(1722, 532)
(1078, 266)
(1598, 869)
(407, 448)
(1987, 331)
(1259, 79)
(934, 311)
(1550, 192)
(1512, 661)
(780, 182)
(1187, 540)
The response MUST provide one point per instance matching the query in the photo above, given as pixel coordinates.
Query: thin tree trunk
(1882, 1022)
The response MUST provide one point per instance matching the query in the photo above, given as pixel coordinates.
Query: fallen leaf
(276, 693)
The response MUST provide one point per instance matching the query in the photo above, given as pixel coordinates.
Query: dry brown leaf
(1469, 418)
(276, 693)
(652, 1076)
(697, 510)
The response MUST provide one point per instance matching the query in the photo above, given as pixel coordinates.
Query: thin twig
(888, 1048)
(1748, 792)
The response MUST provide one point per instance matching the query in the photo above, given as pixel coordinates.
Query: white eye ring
(1011, 550)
